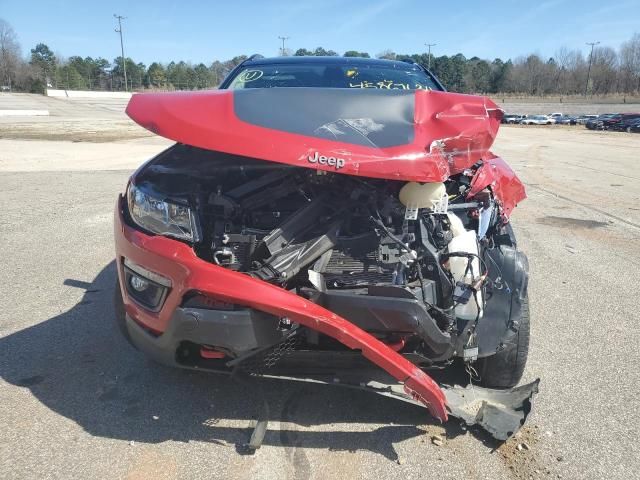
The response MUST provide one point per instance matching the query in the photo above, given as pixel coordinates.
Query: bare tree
(9, 54)
(528, 75)
(570, 72)
(630, 64)
(604, 70)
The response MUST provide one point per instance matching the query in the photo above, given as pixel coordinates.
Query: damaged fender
(503, 181)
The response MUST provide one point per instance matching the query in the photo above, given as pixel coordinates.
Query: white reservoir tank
(422, 195)
(465, 241)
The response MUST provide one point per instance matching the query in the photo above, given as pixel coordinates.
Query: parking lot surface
(78, 402)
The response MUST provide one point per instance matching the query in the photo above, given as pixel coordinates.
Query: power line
(429, 45)
(586, 86)
(124, 62)
(283, 40)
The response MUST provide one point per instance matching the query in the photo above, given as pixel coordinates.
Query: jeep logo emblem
(335, 162)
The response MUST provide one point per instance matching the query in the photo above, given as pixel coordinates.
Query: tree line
(607, 69)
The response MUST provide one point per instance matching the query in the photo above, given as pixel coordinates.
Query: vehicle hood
(422, 136)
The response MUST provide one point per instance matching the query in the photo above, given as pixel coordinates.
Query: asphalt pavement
(79, 402)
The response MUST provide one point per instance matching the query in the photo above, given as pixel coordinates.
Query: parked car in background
(582, 119)
(634, 127)
(555, 115)
(598, 122)
(511, 119)
(625, 120)
(565, 120)
(538, 120)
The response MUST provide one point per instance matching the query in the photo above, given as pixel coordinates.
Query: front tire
(505, 368)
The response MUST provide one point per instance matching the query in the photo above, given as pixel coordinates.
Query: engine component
(289, 260)
(349, 270)
(415, 196)
(422, 195)
(235, 251)
(295, 225)
(464, 265)
(366, 247)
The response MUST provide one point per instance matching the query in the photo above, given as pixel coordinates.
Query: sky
(165, 30)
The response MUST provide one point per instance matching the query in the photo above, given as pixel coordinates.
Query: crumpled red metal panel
(451, 132)
(503, 181)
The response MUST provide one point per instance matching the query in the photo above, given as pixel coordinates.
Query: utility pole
(124, 63)
(429, 45)
(283, 40)
(586, 86)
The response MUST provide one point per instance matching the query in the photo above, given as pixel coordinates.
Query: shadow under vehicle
(79, 366)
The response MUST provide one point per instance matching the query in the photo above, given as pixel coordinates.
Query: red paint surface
(451, 132)
(178, 262)
(208, 353)
(503, 181)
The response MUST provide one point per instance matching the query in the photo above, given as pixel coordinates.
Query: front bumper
(160, 334)
(177, 261)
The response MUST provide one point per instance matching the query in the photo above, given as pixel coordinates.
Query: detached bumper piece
(499, 412)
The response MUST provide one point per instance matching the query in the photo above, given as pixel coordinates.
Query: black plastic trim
(235, 331)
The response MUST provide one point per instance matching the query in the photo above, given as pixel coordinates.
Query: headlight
(161, 217)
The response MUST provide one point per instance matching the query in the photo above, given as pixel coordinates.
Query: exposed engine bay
(422, 267)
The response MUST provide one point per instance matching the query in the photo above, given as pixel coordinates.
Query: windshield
(392, 77)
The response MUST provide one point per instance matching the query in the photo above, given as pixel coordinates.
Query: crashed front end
(296, 231)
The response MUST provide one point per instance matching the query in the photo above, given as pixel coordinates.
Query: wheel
(120, 314)
(505, 368)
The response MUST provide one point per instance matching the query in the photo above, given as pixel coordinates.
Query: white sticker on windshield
(250, 75)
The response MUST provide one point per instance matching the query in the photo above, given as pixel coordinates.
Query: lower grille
(268, 358)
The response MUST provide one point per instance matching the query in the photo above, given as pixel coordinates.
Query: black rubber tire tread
(505, 368)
